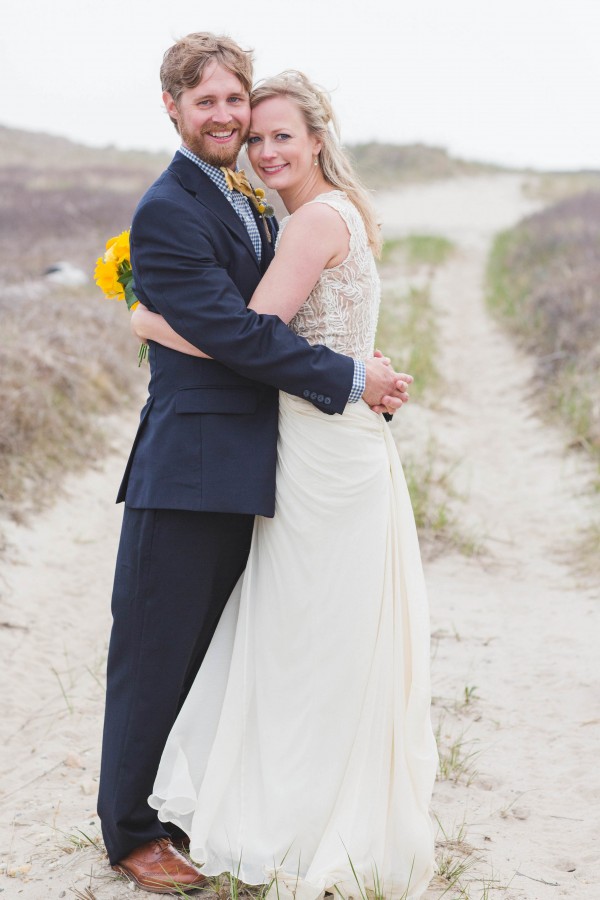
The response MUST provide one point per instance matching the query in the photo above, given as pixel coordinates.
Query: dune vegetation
(544, 284)
(66, 354)
(391, 165)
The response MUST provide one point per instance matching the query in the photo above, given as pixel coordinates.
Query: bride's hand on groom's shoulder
(386, 390)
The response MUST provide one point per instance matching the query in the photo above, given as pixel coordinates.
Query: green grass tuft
(418, 250)
(407, 332)
(456, 756)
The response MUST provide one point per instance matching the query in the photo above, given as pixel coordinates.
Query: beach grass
(551, 187)
(418, 249)
(586, 551)
(78, 840)
(543, 283)
(86, 894)
(457, 754)
(384, 166)
(408, 332)
(67, 358)
(429, 482)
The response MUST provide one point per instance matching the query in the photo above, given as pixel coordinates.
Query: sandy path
(55, 594)
(513, 622)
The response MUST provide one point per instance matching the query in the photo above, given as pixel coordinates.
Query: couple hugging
(268, 673)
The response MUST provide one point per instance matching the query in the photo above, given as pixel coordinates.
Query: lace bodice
(342, 308)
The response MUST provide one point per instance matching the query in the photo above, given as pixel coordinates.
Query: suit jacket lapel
(208, 194)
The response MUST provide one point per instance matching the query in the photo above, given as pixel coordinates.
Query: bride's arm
(315, 238)
(149, 326)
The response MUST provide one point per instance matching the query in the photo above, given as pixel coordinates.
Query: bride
(303, 756)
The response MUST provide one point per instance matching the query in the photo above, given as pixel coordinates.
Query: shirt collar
(214, 173)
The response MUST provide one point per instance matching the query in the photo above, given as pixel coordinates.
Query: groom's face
(213, 117)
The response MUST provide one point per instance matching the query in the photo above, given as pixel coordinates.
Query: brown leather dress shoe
(159, 868)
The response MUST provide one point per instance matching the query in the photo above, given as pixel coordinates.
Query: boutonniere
(238, 181)
(265, 209)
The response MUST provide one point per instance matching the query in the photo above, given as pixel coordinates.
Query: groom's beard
(215, 154)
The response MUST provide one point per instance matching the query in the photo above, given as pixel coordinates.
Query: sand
(515, 629)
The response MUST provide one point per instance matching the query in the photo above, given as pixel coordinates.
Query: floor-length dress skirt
(304, 752)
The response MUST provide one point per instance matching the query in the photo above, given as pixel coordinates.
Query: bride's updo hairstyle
(315, 105)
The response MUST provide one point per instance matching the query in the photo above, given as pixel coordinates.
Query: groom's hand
(385, 390)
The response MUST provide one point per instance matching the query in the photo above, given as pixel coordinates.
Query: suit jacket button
(327, 401)
(306, 394)
(313, 396)
(320, 398)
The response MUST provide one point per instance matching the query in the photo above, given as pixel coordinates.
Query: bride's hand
(397, 401)
(379, 355)
(139, 321)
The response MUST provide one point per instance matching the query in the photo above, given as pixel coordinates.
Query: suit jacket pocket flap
(217, 400)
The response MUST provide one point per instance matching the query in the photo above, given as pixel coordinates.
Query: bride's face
(280, 148)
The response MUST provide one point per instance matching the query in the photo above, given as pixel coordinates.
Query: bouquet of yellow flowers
(114, 276)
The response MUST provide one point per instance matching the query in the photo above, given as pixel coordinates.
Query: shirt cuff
(359, 381)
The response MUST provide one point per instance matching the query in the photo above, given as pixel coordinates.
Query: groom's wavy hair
(184, 63)
(315, 105)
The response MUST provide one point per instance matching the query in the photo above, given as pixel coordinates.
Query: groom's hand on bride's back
(385, 390)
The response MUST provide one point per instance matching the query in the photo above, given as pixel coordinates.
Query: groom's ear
(171, 107)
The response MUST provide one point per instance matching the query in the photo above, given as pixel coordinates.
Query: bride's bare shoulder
(316, 221)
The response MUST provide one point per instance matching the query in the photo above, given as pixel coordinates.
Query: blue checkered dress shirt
(241, 205)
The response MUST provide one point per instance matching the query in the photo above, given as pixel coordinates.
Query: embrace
(268, 689)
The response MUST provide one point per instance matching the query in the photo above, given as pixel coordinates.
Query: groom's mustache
(233, 125)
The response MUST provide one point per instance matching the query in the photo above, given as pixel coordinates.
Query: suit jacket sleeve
(176, 269)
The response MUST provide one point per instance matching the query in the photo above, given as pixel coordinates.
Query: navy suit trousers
(175, 571)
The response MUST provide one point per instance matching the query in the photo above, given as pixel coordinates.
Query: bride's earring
(316, 160)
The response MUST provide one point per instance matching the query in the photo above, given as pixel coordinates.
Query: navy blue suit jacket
(207, 438)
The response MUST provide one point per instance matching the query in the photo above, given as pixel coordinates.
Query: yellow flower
(113, 273)
(105, 275)
(259, 193)
(117, 248)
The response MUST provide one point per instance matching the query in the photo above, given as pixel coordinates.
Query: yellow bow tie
(237, 181)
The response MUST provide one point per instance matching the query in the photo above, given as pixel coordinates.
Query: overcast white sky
(510, 81)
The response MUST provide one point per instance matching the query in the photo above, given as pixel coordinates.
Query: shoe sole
(175, 890)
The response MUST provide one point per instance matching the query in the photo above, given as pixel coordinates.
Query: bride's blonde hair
(315, 105)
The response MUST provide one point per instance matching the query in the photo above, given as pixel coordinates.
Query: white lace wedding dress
(304, 752)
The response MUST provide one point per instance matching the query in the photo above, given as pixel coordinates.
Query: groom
(203, 460)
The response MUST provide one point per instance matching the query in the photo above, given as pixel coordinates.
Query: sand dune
(515, 667)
